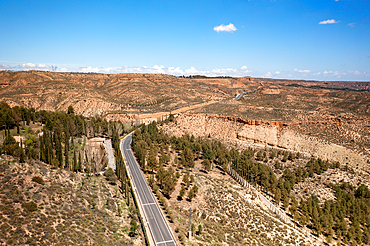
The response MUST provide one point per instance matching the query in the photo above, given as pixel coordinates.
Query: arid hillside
(97, 94)
(311, 138)
(44, 205)
(133, 95)
(337, 112)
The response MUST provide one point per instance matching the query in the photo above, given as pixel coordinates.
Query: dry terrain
(309, 107)
(229, 214)
(327, 120)
(41, 205)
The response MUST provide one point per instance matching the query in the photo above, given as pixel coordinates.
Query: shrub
(182, 237)
(29, 206)
(110, 176)
(38, 179)
(133, 228)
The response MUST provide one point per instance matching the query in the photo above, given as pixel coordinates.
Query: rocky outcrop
(262, 133)
(288, 139)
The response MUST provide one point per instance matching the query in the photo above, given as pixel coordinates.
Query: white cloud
(27, 65)
(351, 24)
(191, 70)
(332, 21)
(90, 69)
(177, 71)
(33, 66)
(225, 28)
(158, 69)
(267, 75)
(302, 71)
(4, 67)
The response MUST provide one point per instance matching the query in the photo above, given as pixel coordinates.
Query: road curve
(161, 234)
(242, 94)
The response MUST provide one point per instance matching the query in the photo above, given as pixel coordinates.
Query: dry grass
(64, 209)
(228, 214)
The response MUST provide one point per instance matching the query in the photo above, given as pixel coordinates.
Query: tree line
(55, 145)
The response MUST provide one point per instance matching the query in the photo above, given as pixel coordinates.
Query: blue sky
(320, 40)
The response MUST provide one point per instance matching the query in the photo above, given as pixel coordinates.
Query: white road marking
(170, 241)
(139, 179)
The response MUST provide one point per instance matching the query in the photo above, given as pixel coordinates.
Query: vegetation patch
(38, 180)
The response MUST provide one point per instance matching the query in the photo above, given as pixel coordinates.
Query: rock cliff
(264, 134)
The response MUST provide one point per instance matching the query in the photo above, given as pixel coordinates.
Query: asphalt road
(160, 232)
(242, 94)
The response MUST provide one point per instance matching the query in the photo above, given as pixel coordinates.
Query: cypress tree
(22, 154)
(79, 161)
(122, 186)
(87, 163)
(75, 165)
(41, 148)
(66, 160)
(46, 147)
(66, 151)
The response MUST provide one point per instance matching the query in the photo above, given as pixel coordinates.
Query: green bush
(110, 176)
(29, 206)
(38, 179)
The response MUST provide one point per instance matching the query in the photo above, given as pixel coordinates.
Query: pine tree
(152, 162)
(182, 191)
(277, 195)
(315, 217)
(293, 208)
(191, 194)
(285, 202)
(206, 165)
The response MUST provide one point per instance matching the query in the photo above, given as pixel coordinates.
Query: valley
(304, 145)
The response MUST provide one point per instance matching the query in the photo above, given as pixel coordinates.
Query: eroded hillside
(245, 133)
(97, 94)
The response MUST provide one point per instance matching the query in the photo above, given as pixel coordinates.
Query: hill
(312, 137)
(44, 205)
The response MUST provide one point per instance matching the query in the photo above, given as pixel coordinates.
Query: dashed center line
(170, 241)
(152, 203)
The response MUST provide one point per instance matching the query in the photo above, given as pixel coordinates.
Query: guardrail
(268, 204)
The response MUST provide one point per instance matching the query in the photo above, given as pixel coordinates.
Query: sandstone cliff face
(262, 134)
(288, 139)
